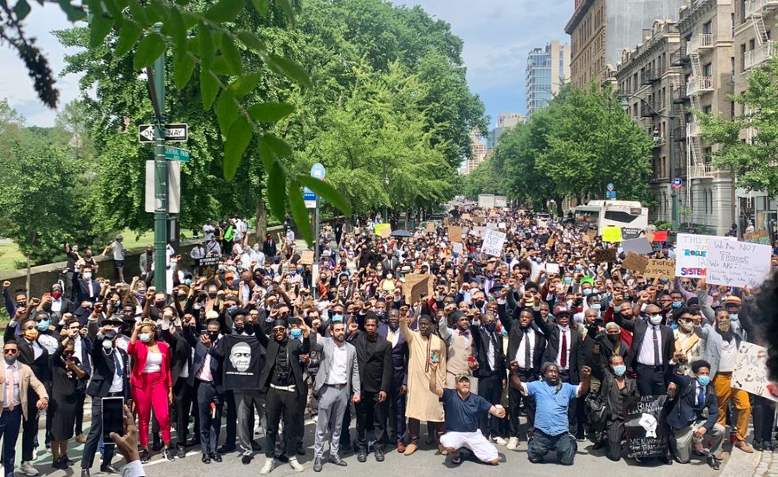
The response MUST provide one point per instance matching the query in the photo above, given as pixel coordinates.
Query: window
(707, 28)
(742, 57)
(707, 70)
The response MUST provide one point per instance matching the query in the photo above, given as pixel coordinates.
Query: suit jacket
(83, 290)
(103, 370)
(639, 328)
(295, 348)
(326, 346)
(383, 352)
(198, 361)
(553, 343)
(27, 380)
(180, 355)
(400, 356)
(481, 341)
(40, 367)
(516, 334)
(685, 410)
(139, 352)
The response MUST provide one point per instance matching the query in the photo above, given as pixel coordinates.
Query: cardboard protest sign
(635, 262)
(657, 268)
(415, 287)
(383, 230)
(757, 236)
(431, 228)
(750, 373)
(611, 234)
(493, 242)
(307, 257)
(454, 233)
(608, 255)
(645, 435)
(640, 246)
(478, 220)
(466, 217)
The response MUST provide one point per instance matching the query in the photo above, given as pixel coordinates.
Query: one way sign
(173, 132)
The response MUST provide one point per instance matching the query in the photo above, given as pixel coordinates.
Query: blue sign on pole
(317, 171)
(611, 188)
(308, 194)
(611, 194)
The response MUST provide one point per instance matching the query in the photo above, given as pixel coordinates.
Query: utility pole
(156, 80)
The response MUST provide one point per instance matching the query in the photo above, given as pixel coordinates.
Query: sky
(497, 36)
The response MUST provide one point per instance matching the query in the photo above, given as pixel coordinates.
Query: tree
(753, 162)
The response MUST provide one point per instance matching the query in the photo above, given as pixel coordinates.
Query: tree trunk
(261, 216)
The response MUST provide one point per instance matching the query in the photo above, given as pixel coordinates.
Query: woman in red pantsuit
(151, 384)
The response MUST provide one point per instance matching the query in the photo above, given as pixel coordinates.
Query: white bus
(620, 213)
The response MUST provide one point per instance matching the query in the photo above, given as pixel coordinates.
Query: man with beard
(721, 348)
(398, 387)
(552, 400)
(338, 375)
(652, 349)
(460, 348)
(688, 343)
(282, 381)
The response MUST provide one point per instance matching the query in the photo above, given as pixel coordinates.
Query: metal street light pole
(157, 89)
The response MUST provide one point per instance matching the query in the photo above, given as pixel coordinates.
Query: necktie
(527, 355)
(701, 397)
(657, 360)
(563, 358)
(9, 388)
(464, 333)
(117, 364)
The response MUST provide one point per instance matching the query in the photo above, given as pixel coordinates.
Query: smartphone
(113, 417)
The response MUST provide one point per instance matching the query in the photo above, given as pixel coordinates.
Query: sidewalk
(761, 464)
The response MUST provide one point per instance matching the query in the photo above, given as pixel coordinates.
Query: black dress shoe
(225, 449)
(180, 452)
(246, 459)
(108, 469)
(205, 459)
(379, 454)
(713, 462)
(335, 459)
(85, 473)
(144, 456)
(316, 465)
(217, 457)
(362, 454)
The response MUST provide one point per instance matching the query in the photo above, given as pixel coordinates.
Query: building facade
(505, 121)
(707, 58)
(478, 153)
(600, 29)
(646, 78)
(547, 70)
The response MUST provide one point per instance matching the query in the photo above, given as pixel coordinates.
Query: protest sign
(757, 236)
(690, 253)
(493, 242)
(210, 261)
(478, 220)
(611, 234)
(630, 233)
(552, 268)
(458, 248)
(640, 246)
(750, 373)
(722, 260)
(383, 230)
(607, 255)
(307, 257)
(658, 268)
(431, 227)
(243, 363)
(416, 287)
(635, 262)
(646, 436)
(454, 233)
(659, 236)
(466, 217)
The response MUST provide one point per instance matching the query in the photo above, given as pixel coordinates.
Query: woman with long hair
(67, 371)
(151, 384)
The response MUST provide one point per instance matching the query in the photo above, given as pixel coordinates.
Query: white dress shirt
(564, 332)
(646, 355)
(14, 369)
(529, 339)
(338, 371)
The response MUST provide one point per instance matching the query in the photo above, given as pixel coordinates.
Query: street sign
(174, 187)
(677, 183)
(310, 198)
(611, 188)
(176, 154)
(318, 171)
(177, 132)
(611, 194)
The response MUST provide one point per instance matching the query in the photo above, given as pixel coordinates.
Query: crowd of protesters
(543, 346)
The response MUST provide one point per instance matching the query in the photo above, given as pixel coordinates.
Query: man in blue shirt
(464, 411)
(552, 400)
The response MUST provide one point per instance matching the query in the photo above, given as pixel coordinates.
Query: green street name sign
(176, 154)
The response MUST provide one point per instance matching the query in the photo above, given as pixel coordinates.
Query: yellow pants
(722, 385)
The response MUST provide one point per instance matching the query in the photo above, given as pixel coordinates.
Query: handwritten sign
(643, 429)
(630, 233)
(691, 252)
(457, 247)
(658, 268)
(722, 260)
(750, 373)
(454, 233)
(640, 246)
(552, 268)
(635, 262)
(383, 230)
(307, 257)
(493, 242)
(611, 234)
(416, 287)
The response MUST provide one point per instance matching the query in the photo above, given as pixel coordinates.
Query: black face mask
(490, 326)
(240, 328)
(213, 335)
(480, 303)
(212, 294)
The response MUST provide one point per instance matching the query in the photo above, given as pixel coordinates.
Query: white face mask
(145, 337)
(108, 344)
(87, 275)
(655, 319)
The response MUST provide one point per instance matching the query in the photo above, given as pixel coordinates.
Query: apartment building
(646, 78)
(707, 58)
(547, 70)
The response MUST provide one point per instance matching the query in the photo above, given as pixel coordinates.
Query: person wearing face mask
(34, 355)
(688, 343)
(694, 415)
(619, 393)
(720, 350)
(21, 391)
(88, 287)
(67, 372)
(490, 371)
(82, 347)
(58, 304)
(151, 384)
(110, 378)
(651, 352)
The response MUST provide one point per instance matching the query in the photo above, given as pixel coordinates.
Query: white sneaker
(28, 469)
(293, 463)
(500, 441)
(513, 444)
(269, 464)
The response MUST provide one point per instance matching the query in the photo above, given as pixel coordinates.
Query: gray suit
(333, 397)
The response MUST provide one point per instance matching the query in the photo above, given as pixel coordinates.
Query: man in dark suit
(88, 287)
(183, 385)
(693, 415)
(526, 345)
(109, 378)
(374, 355)
(488, 350)
(652, 348)
(398, 387)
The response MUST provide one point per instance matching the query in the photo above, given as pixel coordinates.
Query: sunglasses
(10, 351)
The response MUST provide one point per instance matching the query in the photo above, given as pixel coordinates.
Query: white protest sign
(738, 264)
(552, 268)
(458, 248)
(493, 242)
(690, 253)
(750, 373)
